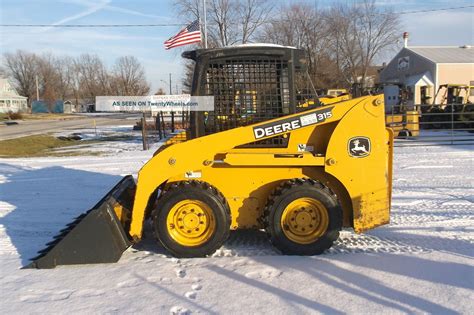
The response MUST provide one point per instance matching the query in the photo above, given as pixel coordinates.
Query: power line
(434, 10)
(89, 25)
(177, 24)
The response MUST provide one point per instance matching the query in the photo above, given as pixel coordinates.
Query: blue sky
(432, 28)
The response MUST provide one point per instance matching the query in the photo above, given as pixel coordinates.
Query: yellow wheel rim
(190, 223)
(304, 220)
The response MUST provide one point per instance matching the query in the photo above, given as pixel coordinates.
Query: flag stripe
(197, 36)
(177, 37)
(184, 43)
(188, 35)
(191, 38)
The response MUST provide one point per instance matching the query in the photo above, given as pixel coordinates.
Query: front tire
(303, 217)
(192, 219)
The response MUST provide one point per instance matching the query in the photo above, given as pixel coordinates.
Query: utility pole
(205, 23)
(37, 89)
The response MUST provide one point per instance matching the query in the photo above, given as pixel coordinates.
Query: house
(422, 69)
(10, 100)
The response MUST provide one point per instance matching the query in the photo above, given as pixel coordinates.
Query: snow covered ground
(421, 263)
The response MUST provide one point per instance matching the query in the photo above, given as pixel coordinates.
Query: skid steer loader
(256, 162)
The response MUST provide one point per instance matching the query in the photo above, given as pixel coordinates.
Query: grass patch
(38, 145)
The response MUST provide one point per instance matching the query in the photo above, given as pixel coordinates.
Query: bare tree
(21, 67)
(377, 30)
(65, 77)
(128, 77)
(160, 92)
(303, 26)
(48, 79)
(253, 14)
(93, 78)
(229, 21)
(361, 32)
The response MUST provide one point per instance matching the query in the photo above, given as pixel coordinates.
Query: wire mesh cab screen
(246, 91)
(249, 85)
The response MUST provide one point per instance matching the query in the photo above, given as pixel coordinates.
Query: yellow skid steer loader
(300, 175)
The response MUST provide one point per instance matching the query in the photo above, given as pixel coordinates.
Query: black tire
(192, 190)
(403, 134)
(282, 197)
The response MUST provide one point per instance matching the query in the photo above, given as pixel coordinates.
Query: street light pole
(170, 85)
(172, 112)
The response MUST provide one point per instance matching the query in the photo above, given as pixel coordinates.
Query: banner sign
(167, 103)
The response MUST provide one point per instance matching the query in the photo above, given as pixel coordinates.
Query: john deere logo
(359, 147)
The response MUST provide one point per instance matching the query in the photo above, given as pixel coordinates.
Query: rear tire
(192, 219)
(303, 217)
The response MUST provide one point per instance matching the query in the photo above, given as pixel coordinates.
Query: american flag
(188, 35)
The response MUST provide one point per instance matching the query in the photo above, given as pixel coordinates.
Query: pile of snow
(421, 262)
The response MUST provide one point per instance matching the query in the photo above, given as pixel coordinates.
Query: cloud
(91, 8)
(133, 12)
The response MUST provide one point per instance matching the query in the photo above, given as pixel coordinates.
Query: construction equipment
(451, 108)
(403, 119)
(300, 174)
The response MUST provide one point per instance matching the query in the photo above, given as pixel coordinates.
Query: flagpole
(205, 23)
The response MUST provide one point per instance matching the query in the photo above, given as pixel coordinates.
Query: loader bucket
(97, 236)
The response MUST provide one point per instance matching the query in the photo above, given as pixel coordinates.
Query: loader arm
(366, 179)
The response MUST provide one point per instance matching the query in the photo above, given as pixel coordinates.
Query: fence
(415, 125)
(424, 124)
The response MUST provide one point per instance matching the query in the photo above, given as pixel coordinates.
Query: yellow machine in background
(405, 124)
(404, 120)
(453, 94)
(302, 176)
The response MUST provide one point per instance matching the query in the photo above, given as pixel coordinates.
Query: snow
(421, 263)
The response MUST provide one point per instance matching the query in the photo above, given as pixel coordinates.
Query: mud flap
(97, 236)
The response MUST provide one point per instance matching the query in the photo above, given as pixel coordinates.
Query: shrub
(14, 116)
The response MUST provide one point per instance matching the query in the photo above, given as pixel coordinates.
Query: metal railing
(424, 124)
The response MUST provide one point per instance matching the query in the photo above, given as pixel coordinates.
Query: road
(33, 127)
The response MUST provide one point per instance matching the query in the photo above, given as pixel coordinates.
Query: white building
(423, 69)
(10, 100)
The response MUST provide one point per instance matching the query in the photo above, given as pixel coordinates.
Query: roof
(420, 79)
(7, 91)
(260, 45)
(445, 54)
